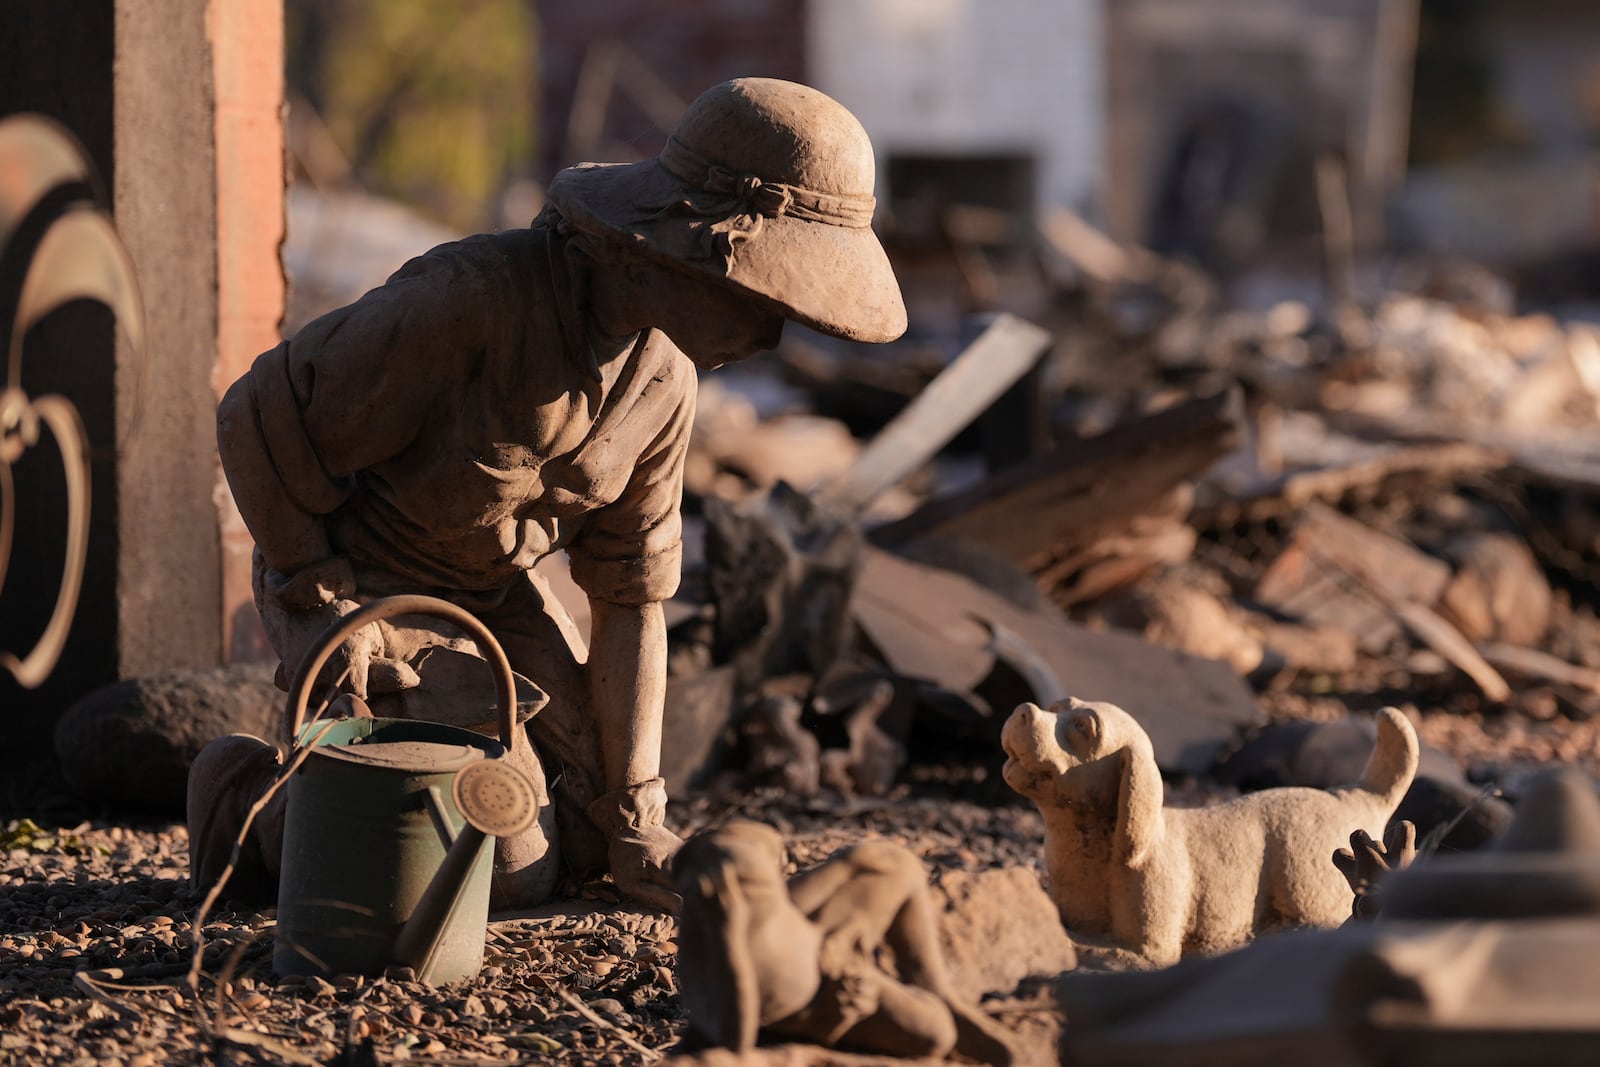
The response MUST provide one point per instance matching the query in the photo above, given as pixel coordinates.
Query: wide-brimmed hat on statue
(765, 185)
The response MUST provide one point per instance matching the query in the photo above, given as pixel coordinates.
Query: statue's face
(713, 324)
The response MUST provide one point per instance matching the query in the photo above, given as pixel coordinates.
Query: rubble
(936, 625)
(1299, 532)
(1006, 350)
(998, 928)
(1498, 592)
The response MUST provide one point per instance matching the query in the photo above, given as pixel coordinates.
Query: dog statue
(800, 958)
(1155, 883)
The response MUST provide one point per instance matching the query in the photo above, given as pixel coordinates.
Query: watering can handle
(388, 608)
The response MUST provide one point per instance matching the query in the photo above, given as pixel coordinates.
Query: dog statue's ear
(1139, 821)
(716, 975)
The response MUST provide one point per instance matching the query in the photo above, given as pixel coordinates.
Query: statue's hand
(640, 860)
(845, 947)
(640, 847)
(313, 586)
(352, 661)
(312, 599)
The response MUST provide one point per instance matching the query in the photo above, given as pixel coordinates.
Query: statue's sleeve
(631, 550)
(354, 387)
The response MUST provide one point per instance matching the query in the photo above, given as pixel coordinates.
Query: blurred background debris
(1250, 341)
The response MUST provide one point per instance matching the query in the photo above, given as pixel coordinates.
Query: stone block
(129, 745)
(998, 928)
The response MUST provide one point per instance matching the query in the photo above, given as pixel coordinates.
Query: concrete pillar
(199, 199)
(168, 596)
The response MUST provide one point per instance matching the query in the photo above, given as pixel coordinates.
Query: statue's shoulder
(509, 257)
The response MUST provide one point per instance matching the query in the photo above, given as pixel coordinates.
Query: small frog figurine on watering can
(386, 852)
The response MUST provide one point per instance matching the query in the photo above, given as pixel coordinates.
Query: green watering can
(386, 850)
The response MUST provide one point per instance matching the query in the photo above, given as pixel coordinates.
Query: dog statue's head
(741, 850)
(1090, 758)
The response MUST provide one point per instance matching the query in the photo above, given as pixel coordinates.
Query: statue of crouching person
(513, 394)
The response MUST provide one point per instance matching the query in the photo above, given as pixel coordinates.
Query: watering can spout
(497, 800)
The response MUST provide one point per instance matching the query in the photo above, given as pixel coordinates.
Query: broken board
(1085, 491)
(1326, 574)
(936, 625)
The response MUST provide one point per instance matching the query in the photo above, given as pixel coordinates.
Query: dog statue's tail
(1394, 758)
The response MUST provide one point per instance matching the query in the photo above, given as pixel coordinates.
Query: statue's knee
(933, 1036)
(943, 1037)
(889, 860)
(227, 769)
(226, 779)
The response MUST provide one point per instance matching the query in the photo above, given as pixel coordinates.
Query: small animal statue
(1141, 885)
(798, 959)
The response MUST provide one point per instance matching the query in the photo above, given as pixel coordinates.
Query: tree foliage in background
(431, 103)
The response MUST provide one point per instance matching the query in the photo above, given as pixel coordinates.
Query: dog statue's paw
(1095, 954)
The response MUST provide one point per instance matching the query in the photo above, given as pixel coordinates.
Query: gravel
(96, 928)
(96, 939)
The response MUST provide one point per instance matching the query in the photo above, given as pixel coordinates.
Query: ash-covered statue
(800, 958)
(512, 394)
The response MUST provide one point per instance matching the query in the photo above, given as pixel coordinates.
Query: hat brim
(835, 279)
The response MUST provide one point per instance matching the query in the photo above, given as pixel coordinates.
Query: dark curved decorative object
(51, 222)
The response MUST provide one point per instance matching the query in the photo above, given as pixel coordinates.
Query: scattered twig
(224, 994)
(589, 1013)
(1446, 640)
(302, 754)
(647, 90)
(82, 980)
(591, 99)
(1018, 1007)
(253, 1039)
(1436, 836)
(1541, 665)
(404, 1026)
(1424, 623)
(1338, 230)
(112, 977)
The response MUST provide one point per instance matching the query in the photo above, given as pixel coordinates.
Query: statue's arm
(350, 390)
(627, 674)
(812, 889)
(627, 559)
(287, 527)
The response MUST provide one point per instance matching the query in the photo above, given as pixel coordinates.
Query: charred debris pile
(1106, 482)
